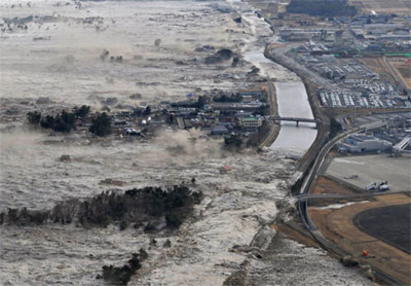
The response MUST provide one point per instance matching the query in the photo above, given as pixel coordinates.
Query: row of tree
(145, 206)
(66, 121)
(228, 98)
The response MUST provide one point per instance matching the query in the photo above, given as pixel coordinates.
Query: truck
(372, 186)
(383, 186)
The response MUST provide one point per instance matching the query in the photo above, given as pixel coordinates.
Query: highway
(279, 52)
(304, 195)
(319, 161)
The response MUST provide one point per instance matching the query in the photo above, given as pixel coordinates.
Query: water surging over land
(58, 58)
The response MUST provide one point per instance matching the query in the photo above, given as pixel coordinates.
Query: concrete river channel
(292, 98)
(293, 101)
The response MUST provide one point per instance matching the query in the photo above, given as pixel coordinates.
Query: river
(293, 101)
(291, 95)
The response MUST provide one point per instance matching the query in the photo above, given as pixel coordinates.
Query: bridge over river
(296, 119)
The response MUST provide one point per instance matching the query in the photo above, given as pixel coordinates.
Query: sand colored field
(336, 224)
(324, 185)
(404, 71)
(379, 66)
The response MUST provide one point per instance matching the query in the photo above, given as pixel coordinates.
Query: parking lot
(345, 99)
(373, 168)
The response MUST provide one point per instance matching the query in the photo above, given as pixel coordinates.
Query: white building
(251, 122)
(362, 144)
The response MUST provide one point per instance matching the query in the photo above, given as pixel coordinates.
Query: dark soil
(390, 224)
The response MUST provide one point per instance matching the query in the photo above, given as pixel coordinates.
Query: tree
(263, 110)
(233, 142)
(228, 98)
(34, 117)
(173, 220)
(48, 122)
(235, 62)
(147, 111)
(82, 111)
(122, 275)
(64, 122)
(335, 127)
(101, 125)
(202, 100)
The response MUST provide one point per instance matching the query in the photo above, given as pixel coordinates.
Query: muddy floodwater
(51, 58)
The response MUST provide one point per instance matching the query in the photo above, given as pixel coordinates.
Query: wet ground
(287, 262)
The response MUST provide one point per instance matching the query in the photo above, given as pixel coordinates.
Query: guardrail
(319, 161)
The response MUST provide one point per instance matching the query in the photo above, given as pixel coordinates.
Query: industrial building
(363, 144)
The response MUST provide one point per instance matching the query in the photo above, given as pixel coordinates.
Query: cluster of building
(380, 28)
(306, 34)
(242, 117)
(355, 83)
(333, 48)
(373, 33)
(393, 137)
(397, 132)
(217, 113)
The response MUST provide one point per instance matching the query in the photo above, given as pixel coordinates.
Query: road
(273, 112)
(279, 52)
(338, 196)
(395, 74)
(297, 119)
(319, 161)
(304, 195)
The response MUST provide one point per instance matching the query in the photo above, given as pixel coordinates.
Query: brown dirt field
(337, 226)
(379, 66)
(324, 185)
(404, 70)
